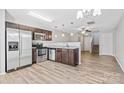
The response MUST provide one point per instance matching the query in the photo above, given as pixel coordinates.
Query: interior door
(87, 43)
(25, 48)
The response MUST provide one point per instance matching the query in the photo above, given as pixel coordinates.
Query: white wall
(59, 37)
(82, 42)
(106, 43)
(2, 41)
(119, 43)
(74, 38)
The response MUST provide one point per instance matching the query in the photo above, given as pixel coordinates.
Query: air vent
(90, 22)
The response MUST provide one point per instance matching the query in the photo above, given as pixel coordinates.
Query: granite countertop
(64, 47)
(33, 47)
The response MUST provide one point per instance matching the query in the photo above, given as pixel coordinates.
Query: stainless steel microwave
(39, 36)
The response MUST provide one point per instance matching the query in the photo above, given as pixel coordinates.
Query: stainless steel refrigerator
(19, 48)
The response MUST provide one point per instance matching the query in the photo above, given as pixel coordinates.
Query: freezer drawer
(13, 60)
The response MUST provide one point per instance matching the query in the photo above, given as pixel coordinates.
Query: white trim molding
(117, 59)
(2, 73)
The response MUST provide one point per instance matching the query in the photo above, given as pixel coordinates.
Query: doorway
(90, 42)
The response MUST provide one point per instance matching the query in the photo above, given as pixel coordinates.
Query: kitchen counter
(63, 47)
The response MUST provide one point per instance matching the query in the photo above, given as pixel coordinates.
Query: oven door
(42, 52)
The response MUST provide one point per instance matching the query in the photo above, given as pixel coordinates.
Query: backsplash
(51, 43)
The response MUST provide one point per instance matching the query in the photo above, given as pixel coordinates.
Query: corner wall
(119, 43)
(106, 43)
(2, 41)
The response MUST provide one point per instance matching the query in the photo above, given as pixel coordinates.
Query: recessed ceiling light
(63, 35)
(56, 36)
(71, 34)
(36, 15)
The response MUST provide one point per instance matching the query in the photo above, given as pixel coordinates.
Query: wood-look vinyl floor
(93, 70)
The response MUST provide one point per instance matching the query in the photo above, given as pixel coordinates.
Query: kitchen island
(66, 55)
(63, 52)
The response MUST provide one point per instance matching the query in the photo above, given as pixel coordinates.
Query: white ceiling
(106, 22)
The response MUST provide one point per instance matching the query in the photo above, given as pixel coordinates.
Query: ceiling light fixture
(83, 32)
(84, 13)
(36, 15)
(79, 14)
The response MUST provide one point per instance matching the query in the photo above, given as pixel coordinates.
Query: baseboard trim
(102, 54)
(2, 73)
(119, 63)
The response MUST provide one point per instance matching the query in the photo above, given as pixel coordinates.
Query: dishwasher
(52, 54)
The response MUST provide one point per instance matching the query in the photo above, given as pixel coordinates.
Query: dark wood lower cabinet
(73, 57)
(67, 56)
(58, 55)
(34, 55)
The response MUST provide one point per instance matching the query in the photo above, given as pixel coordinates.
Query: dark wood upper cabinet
(48, 34)
(11, 25)
(23, 27)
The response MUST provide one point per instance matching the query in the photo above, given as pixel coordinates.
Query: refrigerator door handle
(21, 45)
(20, 49)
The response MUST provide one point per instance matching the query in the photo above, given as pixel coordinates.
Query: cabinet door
(34, 55)
(65, 56)
(58, 56)
(76, 56)
(50, 35)
(71, 57)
